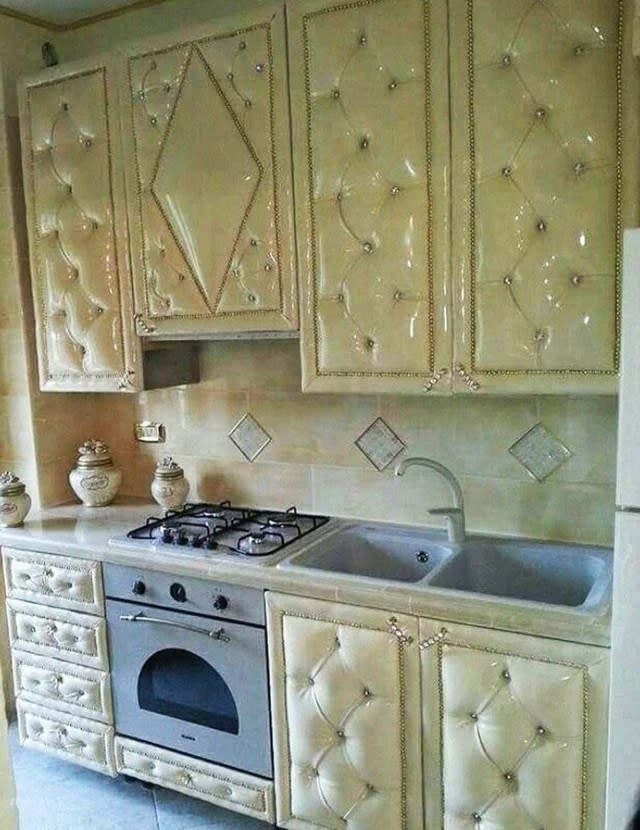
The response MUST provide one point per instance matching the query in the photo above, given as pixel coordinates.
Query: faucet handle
(455, 521)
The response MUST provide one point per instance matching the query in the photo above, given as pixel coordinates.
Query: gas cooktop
(219, 529)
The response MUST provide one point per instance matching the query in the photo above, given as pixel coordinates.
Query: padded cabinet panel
(74, 739)
(345, 712)
(236, 791)
(522, 723)
(370, 119)
(209, 181)
(77, 230)
(56, 632)
(61, 685)
(53, 580)
(540, 137)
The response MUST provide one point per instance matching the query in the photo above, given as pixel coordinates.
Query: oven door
(191, 683)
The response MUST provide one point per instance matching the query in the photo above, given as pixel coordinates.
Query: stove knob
(139, 587)
(211, 544)
(220, 602)
(182, 537)
(167, 535)
(177, 592)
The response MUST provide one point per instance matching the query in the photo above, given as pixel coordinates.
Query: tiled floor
(55, 795)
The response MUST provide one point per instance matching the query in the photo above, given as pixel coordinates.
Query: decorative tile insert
(380, 444)
(540, 452)
(249, 437)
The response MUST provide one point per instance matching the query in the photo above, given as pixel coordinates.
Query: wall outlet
(150, 432)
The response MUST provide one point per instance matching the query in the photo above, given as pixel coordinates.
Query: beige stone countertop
(77, 531)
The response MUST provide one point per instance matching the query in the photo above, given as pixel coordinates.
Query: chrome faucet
(455, 514)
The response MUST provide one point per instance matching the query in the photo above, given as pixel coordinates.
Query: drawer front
(55, 632)
(74, 739)
(233, 790)
(69, 688)
(54, 580)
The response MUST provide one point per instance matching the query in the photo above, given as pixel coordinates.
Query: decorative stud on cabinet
(206, 133)
(371, 150)
(77, 227)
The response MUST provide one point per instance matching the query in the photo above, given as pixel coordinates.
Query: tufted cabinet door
(544, 178)
(518, 726)
(77, 230)
(206, 130)
(345, 707)
(371, 155)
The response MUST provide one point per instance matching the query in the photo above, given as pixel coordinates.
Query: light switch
(150, 432)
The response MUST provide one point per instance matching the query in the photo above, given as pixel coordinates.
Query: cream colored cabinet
(513, 727)
(468, 242)
(57, 635)
(206, 135)
(346, 722)
(518, 726)
(78, 240)
(544, 179)
(371, 153)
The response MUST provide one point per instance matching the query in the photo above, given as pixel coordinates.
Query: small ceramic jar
(95, 479)
(169, 487)
(15, 502)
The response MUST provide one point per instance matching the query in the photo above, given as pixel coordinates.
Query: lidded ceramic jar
(15, 502)
(95, 479)
(169, 487)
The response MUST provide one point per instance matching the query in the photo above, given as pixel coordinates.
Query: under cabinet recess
(78, 237)
(208, 172)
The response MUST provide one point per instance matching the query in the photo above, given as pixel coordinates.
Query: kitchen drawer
(54, 580)
(237, 791)
(56, 632)
(74, 739)
(64, 686)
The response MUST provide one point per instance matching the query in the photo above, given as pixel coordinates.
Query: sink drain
(422, 556)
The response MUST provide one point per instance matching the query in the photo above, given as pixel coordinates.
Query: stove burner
(256, 538)
(288, 519)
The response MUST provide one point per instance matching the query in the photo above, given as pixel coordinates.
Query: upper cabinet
(371, 153)
(77, 231)
(542, 184)
(207, 147)
(468, 241)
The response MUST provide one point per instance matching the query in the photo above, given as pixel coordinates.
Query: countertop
(84, 532)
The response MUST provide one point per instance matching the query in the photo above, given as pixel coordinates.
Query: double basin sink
(515, 570)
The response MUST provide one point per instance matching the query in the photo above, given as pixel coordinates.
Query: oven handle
(218, 634)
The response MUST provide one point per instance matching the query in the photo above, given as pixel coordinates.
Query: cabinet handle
(435, 638)
(217, 634)
(404, 638)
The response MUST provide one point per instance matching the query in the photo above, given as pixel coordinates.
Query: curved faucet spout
(455, 514)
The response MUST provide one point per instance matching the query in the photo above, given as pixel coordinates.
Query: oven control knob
(139, 587)
(220, 602)
(177, 592)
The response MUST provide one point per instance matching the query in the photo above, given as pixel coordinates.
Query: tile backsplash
(313, 460)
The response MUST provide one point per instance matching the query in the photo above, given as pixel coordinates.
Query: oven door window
(180, 684)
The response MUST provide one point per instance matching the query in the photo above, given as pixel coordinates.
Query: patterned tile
(380, 444)
(249, 437)
(540, 452)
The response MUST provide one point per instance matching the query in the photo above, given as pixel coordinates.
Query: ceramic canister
(15, 502)
(95, 479)
(169, 487)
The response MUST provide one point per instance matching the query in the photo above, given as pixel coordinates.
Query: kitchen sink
(374, 551)
(548, 573)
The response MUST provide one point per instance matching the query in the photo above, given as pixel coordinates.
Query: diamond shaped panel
(249, 437)
(195, 181)
(380, 444)
(540, 452)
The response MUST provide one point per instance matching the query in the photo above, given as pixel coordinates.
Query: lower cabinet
(502, 731)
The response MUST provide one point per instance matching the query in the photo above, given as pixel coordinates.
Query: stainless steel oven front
(189, 666)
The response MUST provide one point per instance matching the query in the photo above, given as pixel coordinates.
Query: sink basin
(555, 574)
(374, 551)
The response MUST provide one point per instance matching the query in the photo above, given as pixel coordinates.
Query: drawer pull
(217, 634)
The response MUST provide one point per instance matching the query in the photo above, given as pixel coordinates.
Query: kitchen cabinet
(345, 692)
(57, 635)
(513, 727)
(77, 226)
(208, 170)
(459, 214)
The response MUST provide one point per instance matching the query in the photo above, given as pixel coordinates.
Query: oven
(189, 666)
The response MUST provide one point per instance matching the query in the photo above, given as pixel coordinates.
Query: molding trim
(76, 24)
